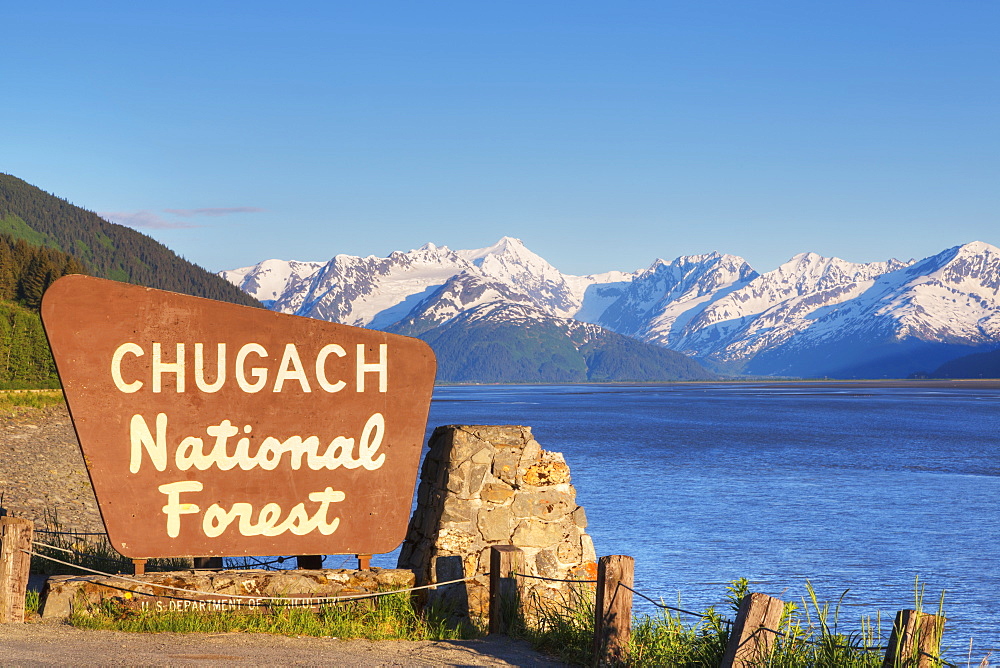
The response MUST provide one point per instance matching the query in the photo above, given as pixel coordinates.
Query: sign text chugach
(216, 439)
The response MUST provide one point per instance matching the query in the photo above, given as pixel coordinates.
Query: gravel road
(49, 644)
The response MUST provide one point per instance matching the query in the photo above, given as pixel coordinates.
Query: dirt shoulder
(56, 644)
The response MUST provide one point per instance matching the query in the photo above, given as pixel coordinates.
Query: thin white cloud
(217, 211)
(144, 220)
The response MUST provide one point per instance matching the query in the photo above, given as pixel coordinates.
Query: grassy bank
(810, 631)
(810, 635)
(390, 617)
(15, 401)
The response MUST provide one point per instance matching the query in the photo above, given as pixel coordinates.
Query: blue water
(851, 487)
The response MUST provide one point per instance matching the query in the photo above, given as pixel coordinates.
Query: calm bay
(857, 487)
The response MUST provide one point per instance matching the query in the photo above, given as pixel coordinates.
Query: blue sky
(602, 134)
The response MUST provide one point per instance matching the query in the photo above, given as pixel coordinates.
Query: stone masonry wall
(65, 593)
(494, 485)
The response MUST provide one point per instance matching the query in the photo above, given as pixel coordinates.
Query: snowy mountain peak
(702, 258)
(266, 280)
(977, 247)
(806, 258)
(506, 245)
(812, 315)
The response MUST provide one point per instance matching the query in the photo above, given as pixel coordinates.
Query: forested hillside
(105, 249)
(498, 344)
(26, 270)
(43, 237)
(977, 365)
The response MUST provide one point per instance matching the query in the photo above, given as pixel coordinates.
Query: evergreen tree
(33, 282)
(8, 280)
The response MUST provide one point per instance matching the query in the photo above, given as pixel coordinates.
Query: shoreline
(979, 383)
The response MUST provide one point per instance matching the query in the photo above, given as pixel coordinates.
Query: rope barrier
(255, 560)
(317, 599)
(358, 597)
(69, 533)
(663, 605)
(59, 549)
(78, 554)
(855, 648)
(938, 658)
(539, 577)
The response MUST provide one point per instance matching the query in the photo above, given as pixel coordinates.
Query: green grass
(810, 635)
(670, 639)
(31, 603)
(14, 401)
(564, 631)
(390, 617)
(86, 550)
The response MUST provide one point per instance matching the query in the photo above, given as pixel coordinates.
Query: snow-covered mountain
(911, 318)
(267, 280)
(661, 301)
(811, 316)
(377, 292)
(771, 308)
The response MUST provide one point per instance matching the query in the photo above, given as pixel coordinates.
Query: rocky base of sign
(494, 485)
(213, 591)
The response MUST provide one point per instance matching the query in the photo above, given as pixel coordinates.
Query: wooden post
(139, 566)
(309, 562)
(613, 610)
(15, 537)
(208, 563)
(915, 641)
(505, 561)
(752, 635)
(364, 562)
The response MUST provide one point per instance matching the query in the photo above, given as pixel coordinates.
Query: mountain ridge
(812, 316)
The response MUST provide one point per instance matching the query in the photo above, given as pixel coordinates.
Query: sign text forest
(211, 429)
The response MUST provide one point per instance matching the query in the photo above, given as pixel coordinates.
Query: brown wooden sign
(211, 429)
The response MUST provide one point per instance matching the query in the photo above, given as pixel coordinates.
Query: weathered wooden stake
(915, 641)
(505, 561)
(613, 610)
(139, 566)
(364, 562)
(15, 537)
(753, 632)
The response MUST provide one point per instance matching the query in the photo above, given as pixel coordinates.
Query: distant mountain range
(811, 317)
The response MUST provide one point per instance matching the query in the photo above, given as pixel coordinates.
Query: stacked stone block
(494, 485)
